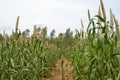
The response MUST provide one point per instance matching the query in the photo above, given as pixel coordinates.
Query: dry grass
(34, 31)
(103, 9)
(17, 23)
(116, 24)
(89, 17)
(111, 16)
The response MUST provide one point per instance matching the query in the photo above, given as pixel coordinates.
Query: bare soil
(56, 72)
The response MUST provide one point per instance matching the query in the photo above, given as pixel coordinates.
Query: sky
(55, 14)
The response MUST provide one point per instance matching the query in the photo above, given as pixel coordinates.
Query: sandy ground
(56, 72)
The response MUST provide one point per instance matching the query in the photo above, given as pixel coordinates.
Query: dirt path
(56, 72)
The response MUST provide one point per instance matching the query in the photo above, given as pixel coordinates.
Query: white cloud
(58, 14)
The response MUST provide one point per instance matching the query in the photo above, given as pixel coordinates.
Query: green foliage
(97, 57)
(29, 61)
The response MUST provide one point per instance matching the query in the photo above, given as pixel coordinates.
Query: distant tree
(44, 32)
(1, 37)
(26, 33)
(68, 38)
(38, 29)
(52, 34)
(68, 34)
